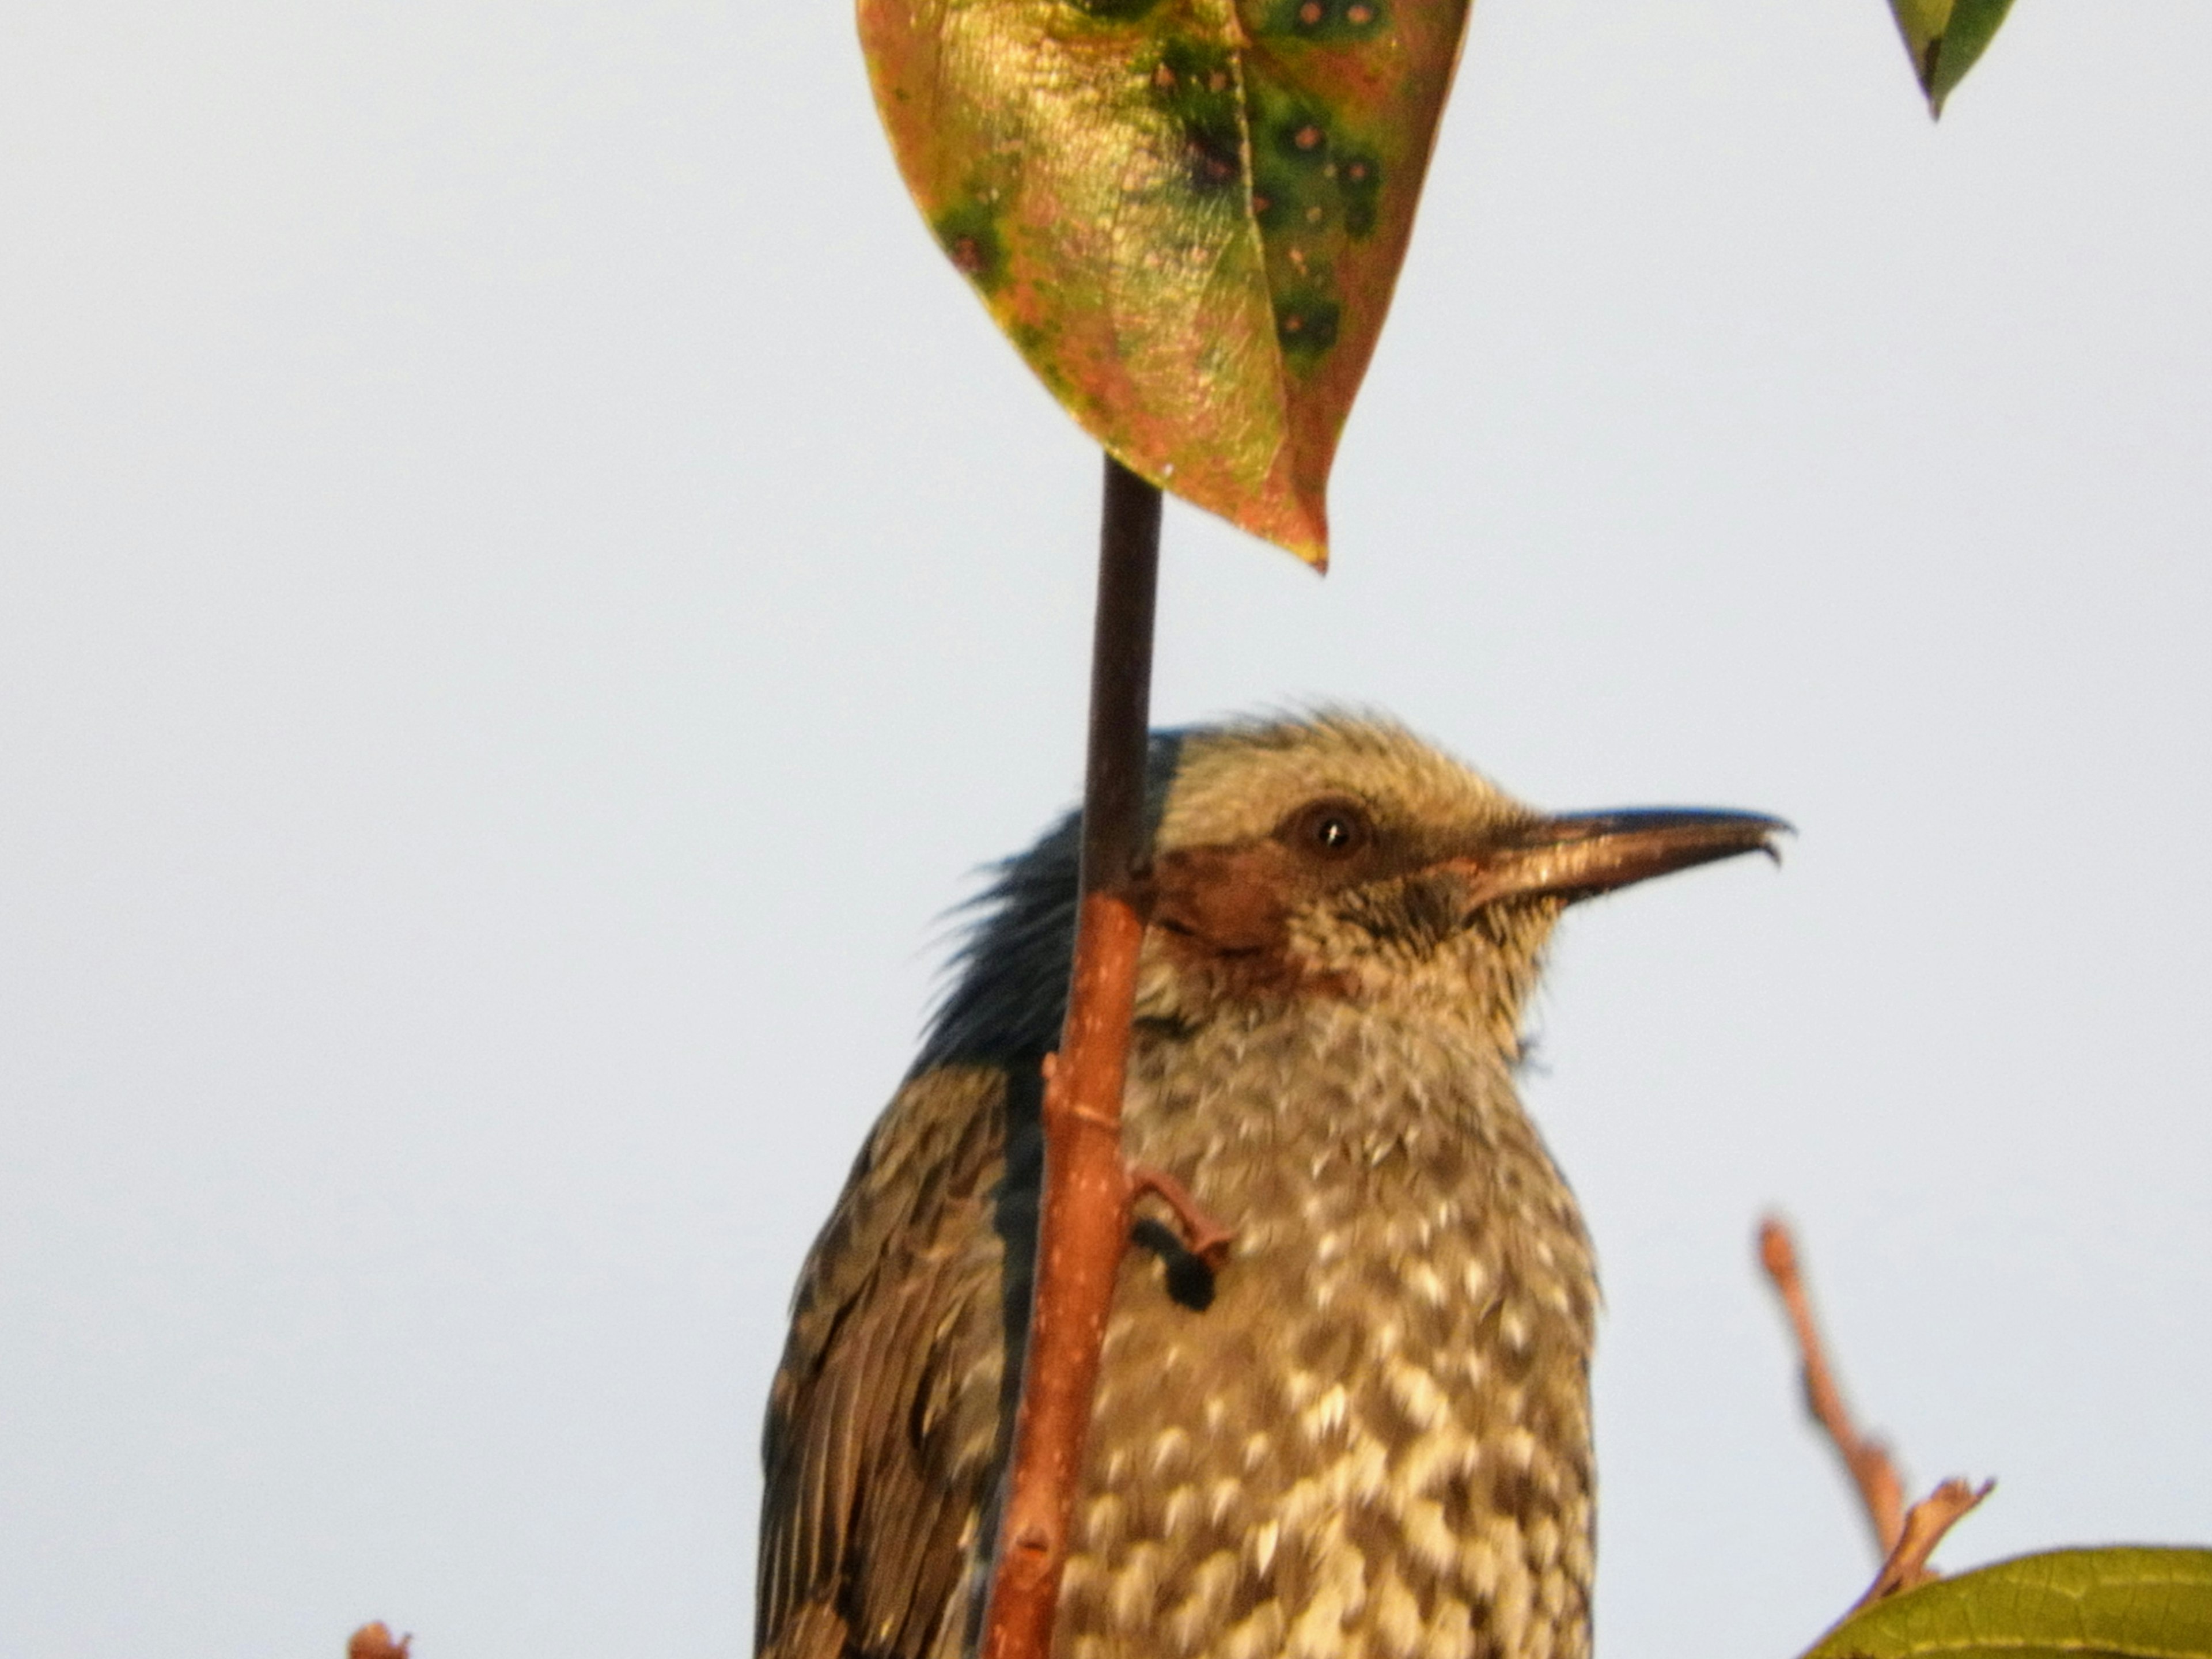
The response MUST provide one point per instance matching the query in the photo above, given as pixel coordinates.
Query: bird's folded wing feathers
(884, 1422)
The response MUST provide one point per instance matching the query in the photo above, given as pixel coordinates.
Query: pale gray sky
(525, 583)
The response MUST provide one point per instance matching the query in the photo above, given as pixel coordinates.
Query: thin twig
(1084, 1224)
(1867, 1460)
(1926, 1523)
(1202, 1236)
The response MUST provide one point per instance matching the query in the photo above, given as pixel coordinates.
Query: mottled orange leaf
(1188, 214)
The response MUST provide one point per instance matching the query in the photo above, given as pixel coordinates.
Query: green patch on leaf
(1296, 135)
(1326, 21)
(1359, 182)
(1115, 11)
(1306, 323)
(1278, 196)
(969, 234)
(1194, 84)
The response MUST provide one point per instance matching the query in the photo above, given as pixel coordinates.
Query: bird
(1365, 1433)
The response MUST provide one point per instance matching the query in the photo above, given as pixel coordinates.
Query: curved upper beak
(1579, 854)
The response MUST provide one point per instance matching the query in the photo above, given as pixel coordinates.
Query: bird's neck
(1407, 1127)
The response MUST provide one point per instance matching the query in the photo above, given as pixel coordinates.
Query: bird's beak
(1579, 854)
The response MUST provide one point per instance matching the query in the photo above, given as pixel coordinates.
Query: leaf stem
(1113, 824)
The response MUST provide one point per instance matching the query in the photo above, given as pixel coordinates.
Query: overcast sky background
(526, 584)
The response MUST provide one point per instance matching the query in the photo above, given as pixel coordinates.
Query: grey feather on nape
(1009, 993)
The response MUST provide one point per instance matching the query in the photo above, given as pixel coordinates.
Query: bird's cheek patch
(1232, 901)
(1224, 914)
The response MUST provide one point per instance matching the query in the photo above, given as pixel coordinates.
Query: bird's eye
(1333, 830)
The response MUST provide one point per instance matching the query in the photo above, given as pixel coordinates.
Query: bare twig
(1868, 1460)
(1202, 1236)
(1084, 1224)
(1926, 1523)
(1906, 1538)
(375, 1641)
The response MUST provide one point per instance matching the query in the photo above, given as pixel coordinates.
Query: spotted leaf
(1188, 214)
(1944, 37)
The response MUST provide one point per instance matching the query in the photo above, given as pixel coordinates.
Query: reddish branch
(1906, 1538)
(1868, 1460)
(1084, 1224)
(1080, 1235)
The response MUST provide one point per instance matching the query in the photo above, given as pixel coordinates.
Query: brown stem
(1084, 1224)
(1868, 1460)
(1115, 832)
(1926, 1523)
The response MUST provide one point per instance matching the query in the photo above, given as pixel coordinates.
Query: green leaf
(2077, 1604)
(1945, 38)
(1186, 214)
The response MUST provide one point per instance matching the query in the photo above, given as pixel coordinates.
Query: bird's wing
(884, 1420)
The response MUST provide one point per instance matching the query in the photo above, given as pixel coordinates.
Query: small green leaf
(1186, 214)
(2067, 1604)
(1945, 38)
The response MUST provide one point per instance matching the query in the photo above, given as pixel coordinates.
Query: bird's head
(1330, 856)
(1342, 857)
